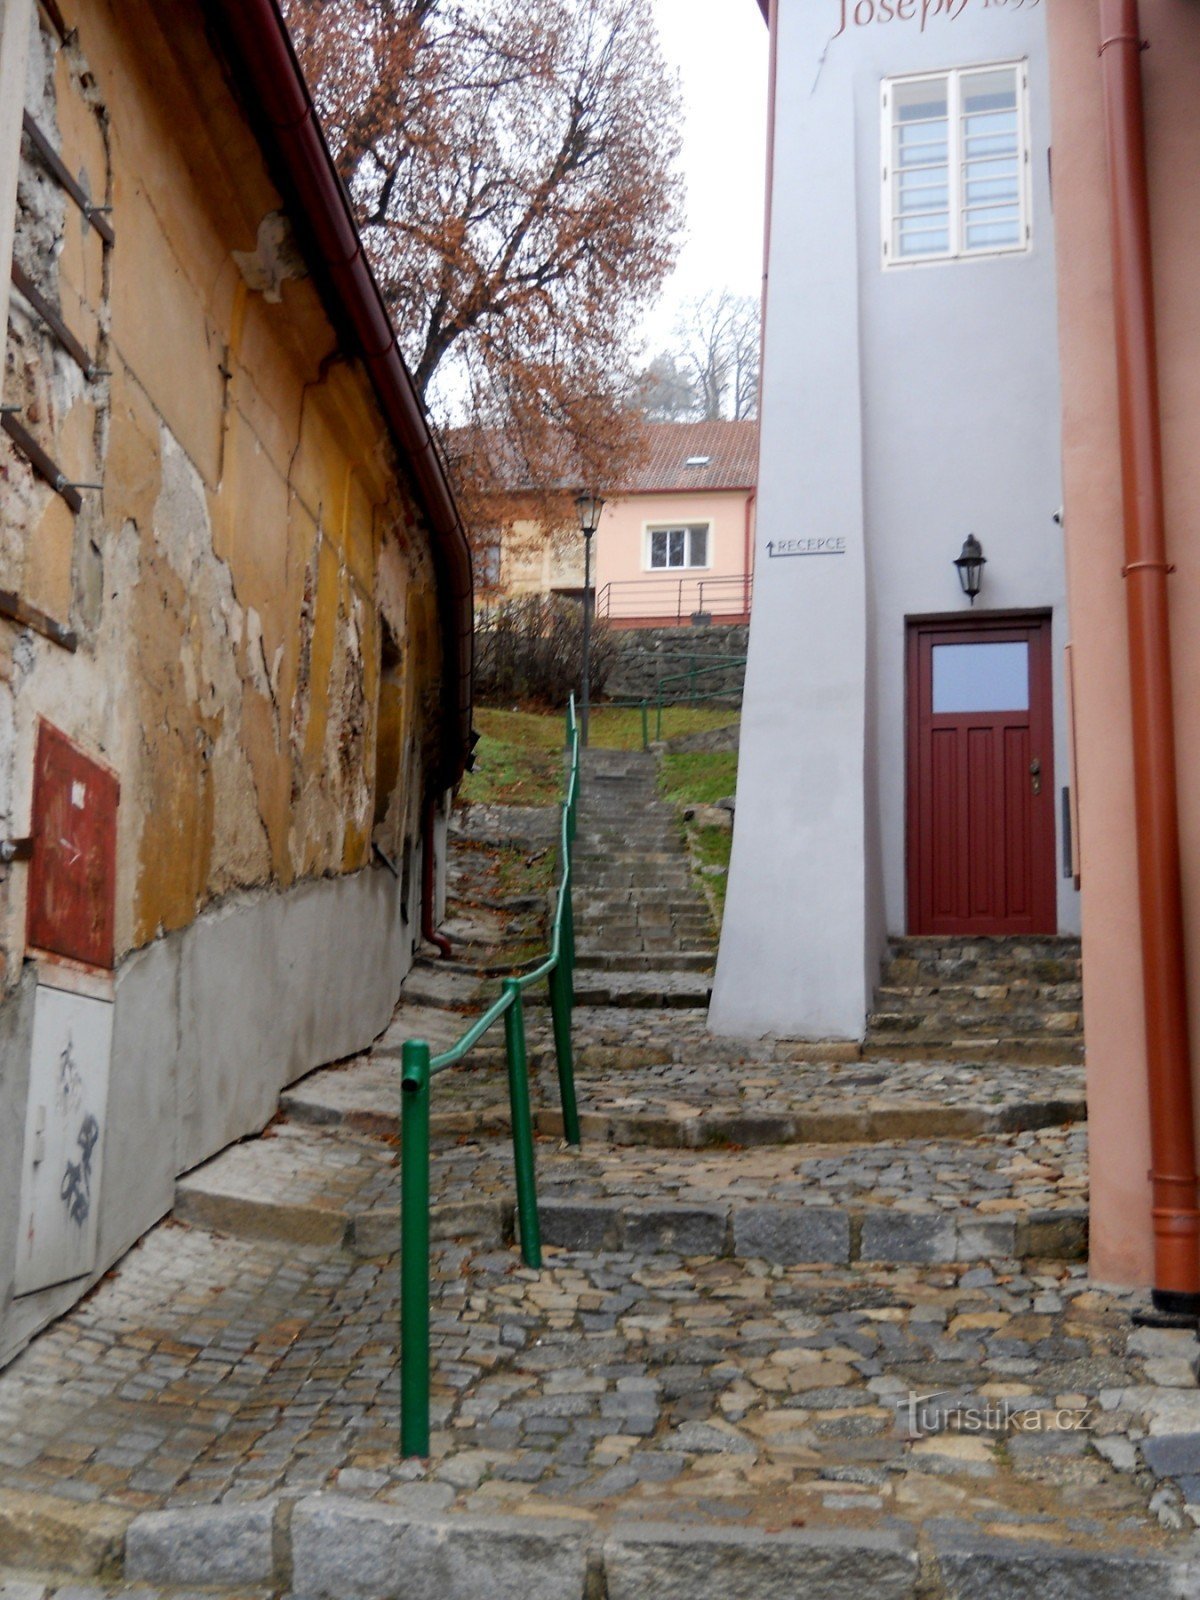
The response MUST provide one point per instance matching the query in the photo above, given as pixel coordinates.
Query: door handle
(1035, 772)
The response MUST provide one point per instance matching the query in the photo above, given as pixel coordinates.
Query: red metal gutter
(748, 551)
(261, 52)
(1164, 971)
(429, 884)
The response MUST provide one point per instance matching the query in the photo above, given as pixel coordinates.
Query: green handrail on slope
(659, 700)
(418, 1068)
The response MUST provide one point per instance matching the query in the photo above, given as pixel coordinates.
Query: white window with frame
(677, 548)
(956, 165)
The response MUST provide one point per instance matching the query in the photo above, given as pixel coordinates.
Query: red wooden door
(980, 777)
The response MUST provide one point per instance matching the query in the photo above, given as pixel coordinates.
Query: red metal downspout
(261, 50)
(428, 881)
(1164, 976)
(748, 547)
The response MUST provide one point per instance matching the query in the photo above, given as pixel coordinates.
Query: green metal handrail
(418, 1068)
(658, 700)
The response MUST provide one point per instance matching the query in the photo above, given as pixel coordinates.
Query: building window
(955, 165)
(679, 547)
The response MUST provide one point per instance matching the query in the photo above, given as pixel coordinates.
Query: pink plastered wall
(623, 558)
(1116, 1066)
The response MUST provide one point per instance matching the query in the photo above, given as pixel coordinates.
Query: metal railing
(689, 598)
(419, 1066)
(690, 696)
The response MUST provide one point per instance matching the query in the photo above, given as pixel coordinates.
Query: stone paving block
(907, 1236)
(45, 1531)
(984, 1238)
(22, 1589)
(210, 1545)
(971, 1566)
(1054, 1235)
(345, 1550)
(673, 1563)
(1173, 1454)
(580, 1225)
(789, 1234)
(685, 1230)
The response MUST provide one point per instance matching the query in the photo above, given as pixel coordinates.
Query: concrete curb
(334, 1547)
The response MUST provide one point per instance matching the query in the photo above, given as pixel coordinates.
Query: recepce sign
(831, 545)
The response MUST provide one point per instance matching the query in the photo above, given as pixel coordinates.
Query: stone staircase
(644, 933)
(986, 998)
(761, 1252)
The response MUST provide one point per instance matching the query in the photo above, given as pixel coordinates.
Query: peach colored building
(1104, 498)
(675, 543)
(678, 541)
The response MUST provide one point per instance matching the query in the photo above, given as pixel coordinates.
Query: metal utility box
(73, 870)
(64, 1138)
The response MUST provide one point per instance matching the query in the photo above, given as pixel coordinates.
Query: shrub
(531, 649)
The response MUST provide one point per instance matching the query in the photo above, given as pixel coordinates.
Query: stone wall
(645, 655)
(254, 612)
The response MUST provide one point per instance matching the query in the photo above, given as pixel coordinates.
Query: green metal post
(658, 723)
(414, 1249)
(569, 952)
(560, 1008)
(522, 1125)
(645, 725)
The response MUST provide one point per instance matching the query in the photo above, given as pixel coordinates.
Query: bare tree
(513, 167)
(664, 391)
(711, 370)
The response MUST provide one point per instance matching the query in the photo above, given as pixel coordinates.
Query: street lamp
(970, 563)
(589, 505)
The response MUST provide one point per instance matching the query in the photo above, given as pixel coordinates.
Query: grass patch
(699, 777)
(525, 872)
(711, 848)
(620, 727)
(518, 760)
(702, 777)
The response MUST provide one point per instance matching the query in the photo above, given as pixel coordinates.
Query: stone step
(610, 960)
(1032, 1050)
(642, 990)
(1010, 1195)
(1013, 1022)
(932, 974)
(1016, 991)
(637, 1095)
(982, 947)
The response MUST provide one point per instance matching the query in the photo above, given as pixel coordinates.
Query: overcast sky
(720, 48)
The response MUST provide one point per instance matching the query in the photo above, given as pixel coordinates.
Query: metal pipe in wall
(1164, 973)
(429, 885)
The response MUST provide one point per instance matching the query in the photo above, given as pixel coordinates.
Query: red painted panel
(980, 897)
(1018, 829)
(980, 839)
(73, 872)
(945, 846)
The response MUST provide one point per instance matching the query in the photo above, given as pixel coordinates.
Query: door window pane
(980, 677)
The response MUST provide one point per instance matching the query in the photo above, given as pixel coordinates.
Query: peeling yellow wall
(228, 582)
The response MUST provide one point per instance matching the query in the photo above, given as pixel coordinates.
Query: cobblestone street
(830, 1313)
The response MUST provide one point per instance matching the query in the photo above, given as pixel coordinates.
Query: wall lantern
(970, 564)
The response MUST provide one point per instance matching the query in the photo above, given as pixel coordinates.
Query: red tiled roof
(731, 449)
